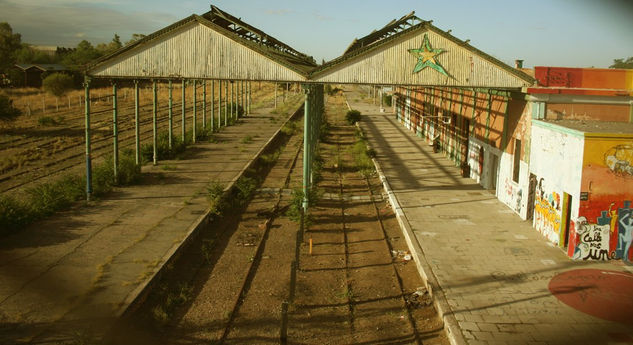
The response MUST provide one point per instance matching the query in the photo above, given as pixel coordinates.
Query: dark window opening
(517, 160)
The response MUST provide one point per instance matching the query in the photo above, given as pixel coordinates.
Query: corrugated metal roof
(233, 28)
(400, 30)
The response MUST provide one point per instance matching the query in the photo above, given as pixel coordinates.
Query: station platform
(495, 279)
(68, 278)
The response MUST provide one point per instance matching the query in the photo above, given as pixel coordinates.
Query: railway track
(267, 280)
(52, 159)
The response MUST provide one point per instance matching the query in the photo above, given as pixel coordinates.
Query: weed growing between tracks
(363, 155)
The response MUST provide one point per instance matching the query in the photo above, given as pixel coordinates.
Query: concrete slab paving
(69, 277)
(490, 270)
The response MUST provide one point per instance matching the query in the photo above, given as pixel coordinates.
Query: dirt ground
(254, 278)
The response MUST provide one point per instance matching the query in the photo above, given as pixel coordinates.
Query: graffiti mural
(593, 241)
(610, 237)
(514, 195)
(547, 213)
(625, 232)
(607, 182)
(619, 160)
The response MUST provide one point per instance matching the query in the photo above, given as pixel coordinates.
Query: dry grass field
(48, 138)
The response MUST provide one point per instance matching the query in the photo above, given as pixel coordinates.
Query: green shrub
(7, 111)
(129, 171)
(48, 121)
(13, 214)
(57, 84)
(296, 206)
(162, 146)
(47, 198)
(290, 128)
(352, 116)
(244, 188)
(215, 192)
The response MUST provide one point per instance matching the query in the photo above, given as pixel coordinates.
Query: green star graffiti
(426, 57)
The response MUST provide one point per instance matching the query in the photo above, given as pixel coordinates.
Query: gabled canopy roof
(198, 37)
(44, 67)
(388, 56)
(218, 45)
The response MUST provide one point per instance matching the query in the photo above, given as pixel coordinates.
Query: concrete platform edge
(138, 295)
(440, 302)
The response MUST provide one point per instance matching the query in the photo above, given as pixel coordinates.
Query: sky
(573, 33)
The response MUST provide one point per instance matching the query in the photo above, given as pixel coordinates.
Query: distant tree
(9, 43)
(7, 111)
(135, 37)
(57, 84)
(621, 63)
(84, 53)
(108, 48)
(26, 54)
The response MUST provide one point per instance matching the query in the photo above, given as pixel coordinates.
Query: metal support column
(154, 121)
(248, 98)
(171, 116)
(194, 127)
(219, 104)
(276, 95)
(244, 97)
(204, 104)
(212, 105)
(226, 103)
(137, 130)
(307, 162)
(115, 134)
(232, 99)
(183, 128)
(87, 134)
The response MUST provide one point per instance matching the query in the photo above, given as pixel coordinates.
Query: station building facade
(560, 153)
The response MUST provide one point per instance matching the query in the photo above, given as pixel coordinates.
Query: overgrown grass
(47, 198)
(362, 155)
(180, 295)
(215, 197)
(296, 206)
(50, 121)
(178, 146)
(290, 128)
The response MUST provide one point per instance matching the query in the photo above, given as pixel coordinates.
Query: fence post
(87, 135)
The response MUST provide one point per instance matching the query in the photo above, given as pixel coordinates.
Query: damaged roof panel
(188, 49)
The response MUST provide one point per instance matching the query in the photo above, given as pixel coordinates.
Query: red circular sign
(600, 293)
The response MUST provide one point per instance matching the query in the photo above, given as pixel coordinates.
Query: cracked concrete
(72, 274)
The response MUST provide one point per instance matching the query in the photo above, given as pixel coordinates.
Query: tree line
(14, 51)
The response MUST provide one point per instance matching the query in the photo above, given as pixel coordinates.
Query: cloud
(66, 22)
